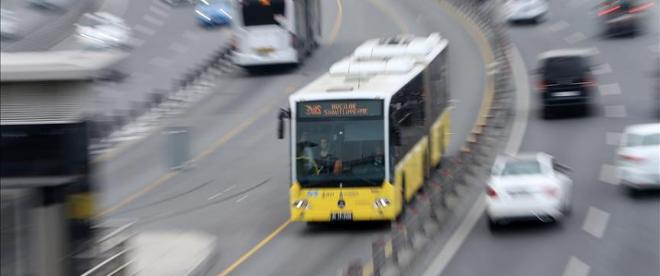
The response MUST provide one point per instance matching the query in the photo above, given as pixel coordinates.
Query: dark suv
(565, 80)
(621, 16)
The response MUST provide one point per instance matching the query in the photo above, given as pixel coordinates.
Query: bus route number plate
(341, 216)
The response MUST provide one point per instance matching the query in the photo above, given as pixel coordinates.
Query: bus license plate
(264, 51)
(341, 216)
(566, 94)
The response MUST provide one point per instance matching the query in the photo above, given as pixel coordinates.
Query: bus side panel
(446, 127)
(436, 142)
(413, 169)
(440, 134)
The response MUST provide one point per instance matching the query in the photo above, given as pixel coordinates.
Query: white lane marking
(615, 111)
(610, 89)
(178, 47)
(609, 174)
(144, 29)
(155, 21)
(575, 267)
(241, 199)
(222, 192)
(613, 138)
(575, 38)
(522, 103)
(596, 222)
(603, 69)
(159, 61)
(457, 238)
(159, 11)
(189, 35)
(160, 4)
(558, 26)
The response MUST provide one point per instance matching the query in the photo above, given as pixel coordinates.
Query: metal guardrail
(110, 253)
(107, 131)
(395, 251)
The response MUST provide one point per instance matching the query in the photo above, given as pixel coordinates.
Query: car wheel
(633, 192)
(567, 208)
(493, 224)
(546, 113)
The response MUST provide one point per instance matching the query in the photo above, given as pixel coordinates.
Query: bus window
(407, 115)
(338, 149)
(256, 12)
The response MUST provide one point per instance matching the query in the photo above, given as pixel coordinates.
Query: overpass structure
(46, 185)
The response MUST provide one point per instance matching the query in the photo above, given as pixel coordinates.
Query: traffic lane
(233, 101)
(247, 170)
(327, 250)
(133, 167)
(568, 239)
(342, 47)
(169, 45)
(41, 29)
(467, 76)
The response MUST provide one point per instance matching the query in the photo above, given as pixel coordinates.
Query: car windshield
(563, 67)
(634, 140)
(347, 152)
(521, 167)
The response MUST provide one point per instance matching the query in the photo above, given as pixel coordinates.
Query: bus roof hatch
(397, 47)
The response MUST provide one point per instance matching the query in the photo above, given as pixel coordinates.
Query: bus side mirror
(284, 114)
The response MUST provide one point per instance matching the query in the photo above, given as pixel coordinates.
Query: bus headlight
(301, 204)
(381, 203)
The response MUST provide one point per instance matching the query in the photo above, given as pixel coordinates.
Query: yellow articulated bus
(365, 135)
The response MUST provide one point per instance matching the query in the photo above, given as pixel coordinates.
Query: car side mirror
(284, 114)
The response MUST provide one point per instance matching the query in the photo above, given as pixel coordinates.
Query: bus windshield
(340, 143)
(334, 152)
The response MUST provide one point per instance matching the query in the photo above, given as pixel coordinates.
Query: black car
(621, 17)
(565, 81)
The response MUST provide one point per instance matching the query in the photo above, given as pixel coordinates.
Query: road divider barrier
(143, 118)
(393, 254)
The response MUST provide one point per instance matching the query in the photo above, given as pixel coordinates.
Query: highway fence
(109, 253)
(394, 253)
(144, 117)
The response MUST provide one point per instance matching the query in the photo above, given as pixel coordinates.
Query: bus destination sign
(334, 109)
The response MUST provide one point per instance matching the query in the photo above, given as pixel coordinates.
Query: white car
(530, 186)
(8, 24)
(102, 30)
(525, 10)
(638, 157)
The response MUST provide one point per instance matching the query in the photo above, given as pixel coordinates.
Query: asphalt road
(608, 233)
(39, 29)
(169, 43)
(238, 189)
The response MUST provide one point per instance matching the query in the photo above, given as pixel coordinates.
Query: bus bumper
(286, 56)
(339, 215)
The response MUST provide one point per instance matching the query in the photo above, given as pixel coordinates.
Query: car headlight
(381, 203)
(301, 204)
